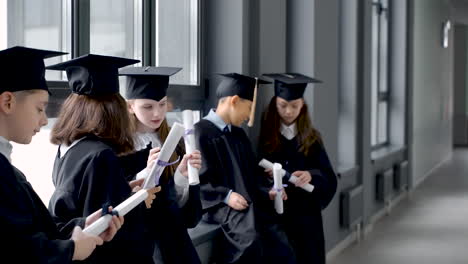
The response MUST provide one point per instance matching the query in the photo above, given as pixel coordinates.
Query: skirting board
(353, 236)
(424, 177)
(383, 212)
(345, 243)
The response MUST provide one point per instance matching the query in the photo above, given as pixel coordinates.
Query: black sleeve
(262, 183)
(192, 210)
(135, 162)
(26, 244)
(99, 181)
(323, 176)
(212, 193)
(165, 210)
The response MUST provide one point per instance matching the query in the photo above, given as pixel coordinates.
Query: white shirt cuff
(181, 185)
(227, 197)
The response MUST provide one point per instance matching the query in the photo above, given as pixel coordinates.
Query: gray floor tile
(429, 227)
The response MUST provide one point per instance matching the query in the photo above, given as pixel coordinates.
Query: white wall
(432, 92)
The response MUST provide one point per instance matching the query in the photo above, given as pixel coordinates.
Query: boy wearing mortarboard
(231, 191)
(31, 233)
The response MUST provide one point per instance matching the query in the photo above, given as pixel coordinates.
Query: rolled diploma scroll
(189, 141)
(292, 179)
(152, 179)
(126, 206)
(278, 186)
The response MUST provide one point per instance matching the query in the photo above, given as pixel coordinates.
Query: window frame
(380, 73)
(78, 12)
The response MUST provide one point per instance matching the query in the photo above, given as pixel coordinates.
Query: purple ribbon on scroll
(160, 166)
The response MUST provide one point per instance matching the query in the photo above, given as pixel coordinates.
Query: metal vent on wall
(400, 180)
(384, 184)
(351, 206)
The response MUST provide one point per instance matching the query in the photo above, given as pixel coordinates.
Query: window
(43, 24)
(380, 92)
(108, 27)
(116, 28)
(177, 38)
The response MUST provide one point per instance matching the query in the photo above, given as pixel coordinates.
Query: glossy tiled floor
(431, 226)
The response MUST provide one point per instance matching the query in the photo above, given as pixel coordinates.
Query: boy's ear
(234, 100)
(7, 102)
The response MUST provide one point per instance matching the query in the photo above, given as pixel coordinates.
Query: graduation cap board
(92, 74)
(147, 82)
(241, 85)
(290, 86)
(23, 68)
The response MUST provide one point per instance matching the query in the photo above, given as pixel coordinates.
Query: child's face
(27, 116)
(150, 113)
(289, 110)
(241, 111)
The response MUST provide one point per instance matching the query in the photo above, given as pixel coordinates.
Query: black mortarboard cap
(290, 86)
(147, 82)
(93, 74)
(238, 84)
(23, 68)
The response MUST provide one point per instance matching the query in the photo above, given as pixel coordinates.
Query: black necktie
(226, 130)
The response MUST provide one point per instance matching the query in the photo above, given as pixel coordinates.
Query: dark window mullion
(80, 27)
(149, 38)
(386, 95)
(377, 132)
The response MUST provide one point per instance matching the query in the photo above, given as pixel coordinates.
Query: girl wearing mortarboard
(91, 167)
(178, 206)
(288, 137)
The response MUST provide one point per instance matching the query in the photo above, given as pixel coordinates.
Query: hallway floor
(431, 226)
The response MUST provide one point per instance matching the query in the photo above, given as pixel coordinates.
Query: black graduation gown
(302, 217)
(88, 176)
(228, 164)
(168, 222)
(29, 232)
(134, 162)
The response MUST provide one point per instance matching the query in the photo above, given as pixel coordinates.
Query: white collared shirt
(141, 140)
(6, 148)
(214, 118)
(288, 132)
(64, 149)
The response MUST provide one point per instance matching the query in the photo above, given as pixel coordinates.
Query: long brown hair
(162, 132)
(105, 117)
(270, 130)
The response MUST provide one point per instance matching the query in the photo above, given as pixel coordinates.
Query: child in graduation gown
(32, 235)
(232, 192)
(288, 137)
(178, 206)
(92, 133)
